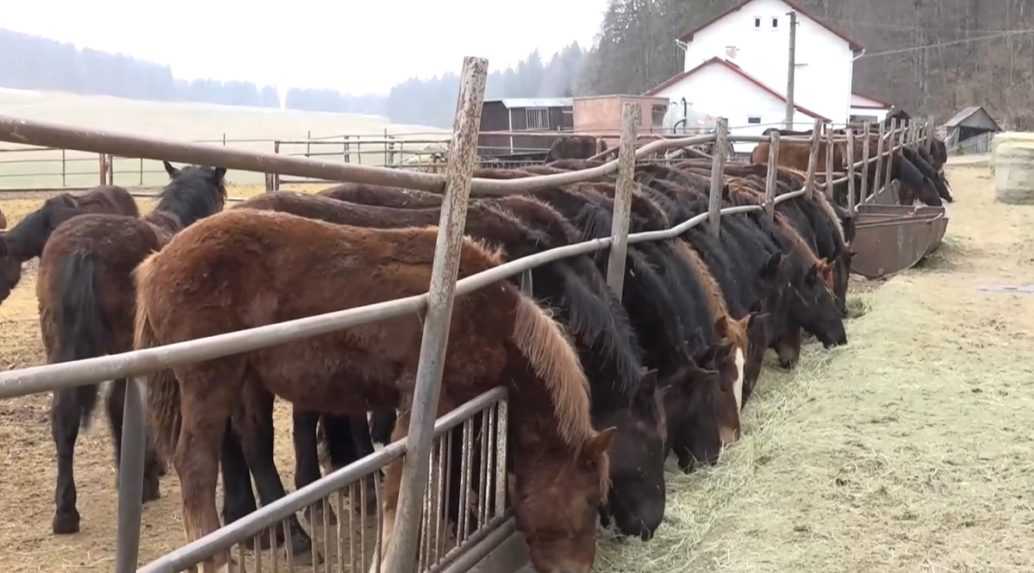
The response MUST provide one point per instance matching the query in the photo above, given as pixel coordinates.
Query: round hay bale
(1014, 172)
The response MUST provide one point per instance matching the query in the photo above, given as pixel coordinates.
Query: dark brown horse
(87, 300)
(245, 268)
(25, 240)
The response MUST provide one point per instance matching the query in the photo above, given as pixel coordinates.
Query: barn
(523, 114)
(736, 67)
(970, 130)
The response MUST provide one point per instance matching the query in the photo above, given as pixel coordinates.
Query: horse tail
(549, 351)
(82, 331)
(163, 391)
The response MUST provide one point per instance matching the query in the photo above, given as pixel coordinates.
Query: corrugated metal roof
(517, 102)
(965, 114)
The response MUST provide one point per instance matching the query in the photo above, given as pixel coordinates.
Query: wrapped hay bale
(1013, 163)
(1008, 137)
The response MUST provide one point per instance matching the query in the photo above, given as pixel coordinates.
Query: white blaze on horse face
(737, 388)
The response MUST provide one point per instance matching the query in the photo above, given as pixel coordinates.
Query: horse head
(701, 412)
(637, 496)
(557, 500)
(815, 307)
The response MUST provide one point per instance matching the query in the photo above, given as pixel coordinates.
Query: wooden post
(813, 159)
(829, 162)
(929, 134)
(714, 215)
(851, 197)
(308, 142)
(877, 183)
(401, 552)
(344, 148)
(865, 163)
(276, 176)
(111, 169)
(63, 171)
(141, 171)
(102, 168)
(630, 120)
(773, 170)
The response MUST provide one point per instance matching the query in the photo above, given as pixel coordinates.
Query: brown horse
(26, 239)
(244, 268)
(87, 301)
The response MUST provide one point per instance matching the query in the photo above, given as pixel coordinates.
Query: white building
(736, 67)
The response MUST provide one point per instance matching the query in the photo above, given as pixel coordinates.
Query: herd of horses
(603, 389)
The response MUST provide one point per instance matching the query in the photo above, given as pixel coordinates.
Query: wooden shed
(970, 130)
(532, 115)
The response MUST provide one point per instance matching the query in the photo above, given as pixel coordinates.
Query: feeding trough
(890, 238)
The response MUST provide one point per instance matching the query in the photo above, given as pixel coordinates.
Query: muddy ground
(908, 450)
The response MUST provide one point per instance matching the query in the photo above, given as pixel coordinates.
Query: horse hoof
(66, 523)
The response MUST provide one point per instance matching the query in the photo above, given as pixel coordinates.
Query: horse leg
(255, 429)
(306, 457)
(238, 497)
(66, 410)
(116, 404)
(382, 425)
(206, 401)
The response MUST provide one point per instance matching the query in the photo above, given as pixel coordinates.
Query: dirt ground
(907, 450)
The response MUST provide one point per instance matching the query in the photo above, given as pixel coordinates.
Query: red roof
(738, 70)
(688, 36)
(882, 104)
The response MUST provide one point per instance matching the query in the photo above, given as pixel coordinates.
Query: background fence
(418, 507)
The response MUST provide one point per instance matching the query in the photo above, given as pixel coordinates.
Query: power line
(944, 44)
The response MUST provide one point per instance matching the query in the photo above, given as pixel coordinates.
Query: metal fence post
(714, 216)
(851, 197)
(131, 479)
(102, 171)
(773, 170)
(630, 120)
(878, 176)
(829, 162)
(865, 162)
(141, 171)
(813, 159)
(275, 177)
(459, 171)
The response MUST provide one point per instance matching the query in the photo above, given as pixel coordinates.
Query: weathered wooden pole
(930, 135)
(851, 197)
(630, 120)
(813, 159)
(865, 163)
(401, 553)
(829, 162)
(773, 170)
(714, 214)
(877, 183)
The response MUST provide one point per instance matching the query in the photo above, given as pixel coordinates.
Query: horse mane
(834, 219)
(546, 347)
(715, 299)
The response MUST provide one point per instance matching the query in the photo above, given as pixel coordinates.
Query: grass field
(907, 450)
(183, 121)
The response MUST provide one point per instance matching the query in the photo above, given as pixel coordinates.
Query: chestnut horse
(244, 268)
(25, 240)
(86, 302)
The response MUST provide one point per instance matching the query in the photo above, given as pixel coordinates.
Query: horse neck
(165, 223)
(26, 240)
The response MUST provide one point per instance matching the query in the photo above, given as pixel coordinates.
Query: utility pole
(791, 70)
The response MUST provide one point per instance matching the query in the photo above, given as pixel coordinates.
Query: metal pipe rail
(247, 527)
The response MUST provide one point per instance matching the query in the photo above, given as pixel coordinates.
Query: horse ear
(721, 327)
(771, 268)
(172, 171)
(218, 173)
(813, 274)
(596, 446)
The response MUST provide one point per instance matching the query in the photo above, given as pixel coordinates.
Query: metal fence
(420, 541)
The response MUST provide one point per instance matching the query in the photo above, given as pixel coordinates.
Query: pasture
(177, 120)
(905, 450)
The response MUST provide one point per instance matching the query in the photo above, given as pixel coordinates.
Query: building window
(753, 120)
(757, 23)
(775, 23)
(538, 117)
(659, 111)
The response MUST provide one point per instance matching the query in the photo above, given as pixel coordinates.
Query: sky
(352, 46)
